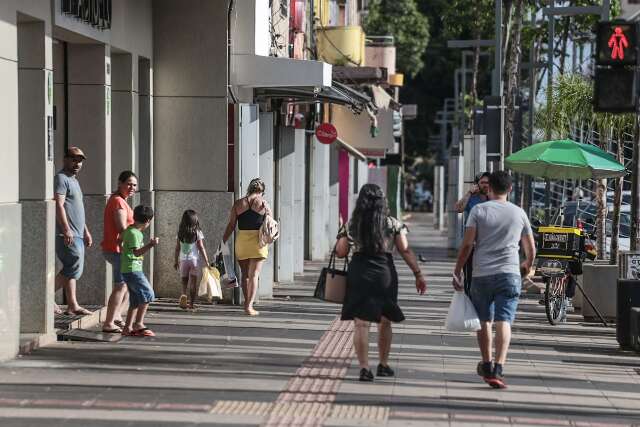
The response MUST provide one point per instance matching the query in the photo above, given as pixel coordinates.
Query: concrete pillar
(125, 111)
(144, 162)
(285, 212)
(352, 183)
(475, 159)
(35, 78)
(59, 97)
(454, 193)
(393, 190)
(265, 289)
(10, 216)
(247, 147)
(90, 105)
(334, 194)
(438, 200)
(299, 200)
(363, 175)
(319, 200)
(190, 122)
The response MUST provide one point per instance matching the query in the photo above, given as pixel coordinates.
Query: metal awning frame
(338, 93)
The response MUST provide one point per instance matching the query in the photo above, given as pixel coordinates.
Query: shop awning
(383, 100)
(337, 93)
(256, 71)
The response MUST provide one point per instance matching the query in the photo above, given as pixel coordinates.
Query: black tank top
(250, 220)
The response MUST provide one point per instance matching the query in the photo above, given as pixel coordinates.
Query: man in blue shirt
(72, 234)
(476, 195)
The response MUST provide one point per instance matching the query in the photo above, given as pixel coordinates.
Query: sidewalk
(293, 365)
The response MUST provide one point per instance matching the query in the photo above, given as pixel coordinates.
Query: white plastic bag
(462, 316)
(210, 283)
(228, 278)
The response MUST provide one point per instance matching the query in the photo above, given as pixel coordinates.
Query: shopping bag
(210, 284)
(225, 266)
(462, 314)
(332, 283)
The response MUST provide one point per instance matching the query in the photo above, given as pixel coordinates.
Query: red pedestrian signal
(617, 43)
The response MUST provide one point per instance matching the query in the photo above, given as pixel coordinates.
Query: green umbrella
(565, 159)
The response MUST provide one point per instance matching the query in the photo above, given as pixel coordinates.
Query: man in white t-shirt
(494, 231)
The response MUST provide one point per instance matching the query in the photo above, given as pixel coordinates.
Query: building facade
(197, 97)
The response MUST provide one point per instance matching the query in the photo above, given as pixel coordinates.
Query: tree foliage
(409, 27)
(463, 19)
(572, 106)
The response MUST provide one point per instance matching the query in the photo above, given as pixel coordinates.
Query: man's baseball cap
(74, 152)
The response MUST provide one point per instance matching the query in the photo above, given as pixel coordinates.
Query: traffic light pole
(635, 186)
(551, 12)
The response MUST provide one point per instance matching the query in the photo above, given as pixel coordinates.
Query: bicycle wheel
(554, 299)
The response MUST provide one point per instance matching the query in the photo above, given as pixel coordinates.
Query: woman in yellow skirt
(249, 213)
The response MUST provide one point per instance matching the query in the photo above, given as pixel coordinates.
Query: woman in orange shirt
(118, 215)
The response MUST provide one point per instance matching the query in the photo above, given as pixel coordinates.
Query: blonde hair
(255, 186)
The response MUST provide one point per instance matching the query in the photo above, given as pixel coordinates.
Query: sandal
(78, 312)
(113, 331)
(119, 323)
(183, 302)
(126, 333)
(144, 332)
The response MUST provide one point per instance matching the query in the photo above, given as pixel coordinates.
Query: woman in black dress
(372, 280)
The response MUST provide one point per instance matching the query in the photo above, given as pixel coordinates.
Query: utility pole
(635, 187)
(497, 89)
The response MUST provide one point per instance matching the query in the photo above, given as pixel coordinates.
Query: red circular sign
(326, 133)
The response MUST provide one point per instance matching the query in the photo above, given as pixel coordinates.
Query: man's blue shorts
(495, 297)
(140, 290)
(113, 258)
(71, 257)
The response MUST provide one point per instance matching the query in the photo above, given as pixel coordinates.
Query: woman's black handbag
(332, 284)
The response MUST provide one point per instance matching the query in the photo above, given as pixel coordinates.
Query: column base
(10, 254)
(38, 267)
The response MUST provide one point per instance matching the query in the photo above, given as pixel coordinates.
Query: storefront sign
(326, 133)
(96, 13)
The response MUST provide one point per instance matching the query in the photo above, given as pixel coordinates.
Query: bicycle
(559, 289)
(561, 253)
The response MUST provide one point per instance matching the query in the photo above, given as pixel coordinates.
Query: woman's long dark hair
(368, 219)
(189, 227)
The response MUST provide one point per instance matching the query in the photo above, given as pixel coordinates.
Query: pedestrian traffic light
(615, 90)
(617, 43)
(616, 67)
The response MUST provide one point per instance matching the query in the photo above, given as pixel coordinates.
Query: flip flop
(119, 323)
(127, 333)
(144, 332)
(81, 312)
(112, 331)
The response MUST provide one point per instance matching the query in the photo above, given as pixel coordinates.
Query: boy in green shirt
(131, 256)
